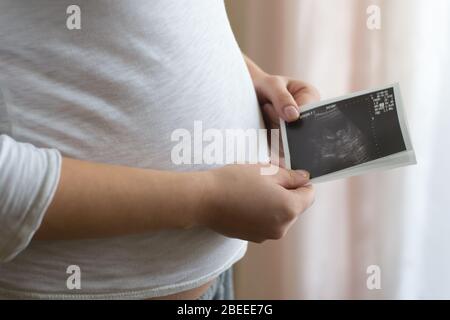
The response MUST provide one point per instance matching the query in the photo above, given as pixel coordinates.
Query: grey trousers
(222, 287)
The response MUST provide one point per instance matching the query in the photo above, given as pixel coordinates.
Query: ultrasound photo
(345, 132)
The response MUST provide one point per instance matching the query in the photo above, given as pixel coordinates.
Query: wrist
(200, 189)
(256, 73)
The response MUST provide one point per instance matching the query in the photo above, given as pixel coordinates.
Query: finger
(303, 92)
(292, 179)
(279, 161)
(282, 100)
(304, 197)
(271, 116)
(282, 161)
(272, 121)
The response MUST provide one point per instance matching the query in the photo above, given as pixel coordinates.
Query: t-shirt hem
(130, 294)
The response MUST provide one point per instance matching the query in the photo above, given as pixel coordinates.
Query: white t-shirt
(111, 92)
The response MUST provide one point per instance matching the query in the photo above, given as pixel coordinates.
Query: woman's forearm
(96, 200)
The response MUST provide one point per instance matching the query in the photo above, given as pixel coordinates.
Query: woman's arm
(98, 200)
(95, 200)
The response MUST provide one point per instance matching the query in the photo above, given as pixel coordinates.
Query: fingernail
(291, 113)
(304, 173)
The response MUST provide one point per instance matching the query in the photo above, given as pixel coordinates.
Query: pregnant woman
(86, 177)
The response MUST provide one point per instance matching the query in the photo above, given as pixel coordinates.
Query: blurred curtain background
(399, 219)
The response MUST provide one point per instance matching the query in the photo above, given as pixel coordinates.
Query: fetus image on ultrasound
(340, 144)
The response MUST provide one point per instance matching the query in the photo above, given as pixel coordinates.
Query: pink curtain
(381, 218)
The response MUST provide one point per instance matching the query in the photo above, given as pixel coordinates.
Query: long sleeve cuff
(28, 180)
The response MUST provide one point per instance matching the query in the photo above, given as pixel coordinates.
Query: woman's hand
(280, 97)
(242, 203)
